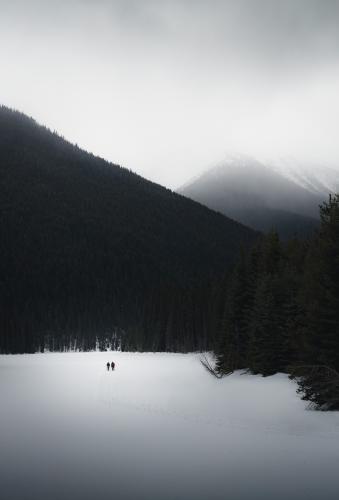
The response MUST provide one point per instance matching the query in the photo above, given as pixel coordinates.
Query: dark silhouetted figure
(112, 365)
(108, 365)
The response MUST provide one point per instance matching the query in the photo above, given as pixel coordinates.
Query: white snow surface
(158, 427)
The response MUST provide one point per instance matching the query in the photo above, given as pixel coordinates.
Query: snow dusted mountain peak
(232, 162)
(239, 161)
(264, 193)
(316, 178)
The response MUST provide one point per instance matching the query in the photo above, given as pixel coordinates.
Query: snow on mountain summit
(264, 194)
(316, 178)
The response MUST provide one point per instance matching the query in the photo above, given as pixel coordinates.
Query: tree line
(281, 311)
(94, 256)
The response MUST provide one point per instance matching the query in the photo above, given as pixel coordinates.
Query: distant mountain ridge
(92, 253)
(257, 195)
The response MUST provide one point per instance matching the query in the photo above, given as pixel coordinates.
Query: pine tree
(232, 349)
(321, 290)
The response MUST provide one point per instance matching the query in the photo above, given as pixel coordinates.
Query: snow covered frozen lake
(158, 427)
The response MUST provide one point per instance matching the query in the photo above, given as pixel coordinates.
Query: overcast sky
(168, 87)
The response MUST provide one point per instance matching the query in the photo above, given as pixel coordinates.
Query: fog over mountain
(280, 195)
(165, 87)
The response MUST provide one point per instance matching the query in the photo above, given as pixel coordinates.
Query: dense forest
(94, 256)
(281, 311)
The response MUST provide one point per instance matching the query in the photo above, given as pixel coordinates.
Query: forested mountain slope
(90, 251)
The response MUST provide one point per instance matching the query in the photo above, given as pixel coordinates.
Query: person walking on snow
(107, 365)
(112, 365)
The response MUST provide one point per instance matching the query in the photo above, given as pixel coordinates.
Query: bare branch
(206, 364)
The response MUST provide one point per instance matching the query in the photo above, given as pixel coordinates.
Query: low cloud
(167, 87)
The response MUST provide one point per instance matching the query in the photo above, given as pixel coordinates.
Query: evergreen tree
(234, 328)
(321, 290)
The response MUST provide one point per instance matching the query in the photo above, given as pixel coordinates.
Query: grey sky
(167, 87)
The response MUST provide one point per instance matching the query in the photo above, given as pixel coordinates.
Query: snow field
(158, 427)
